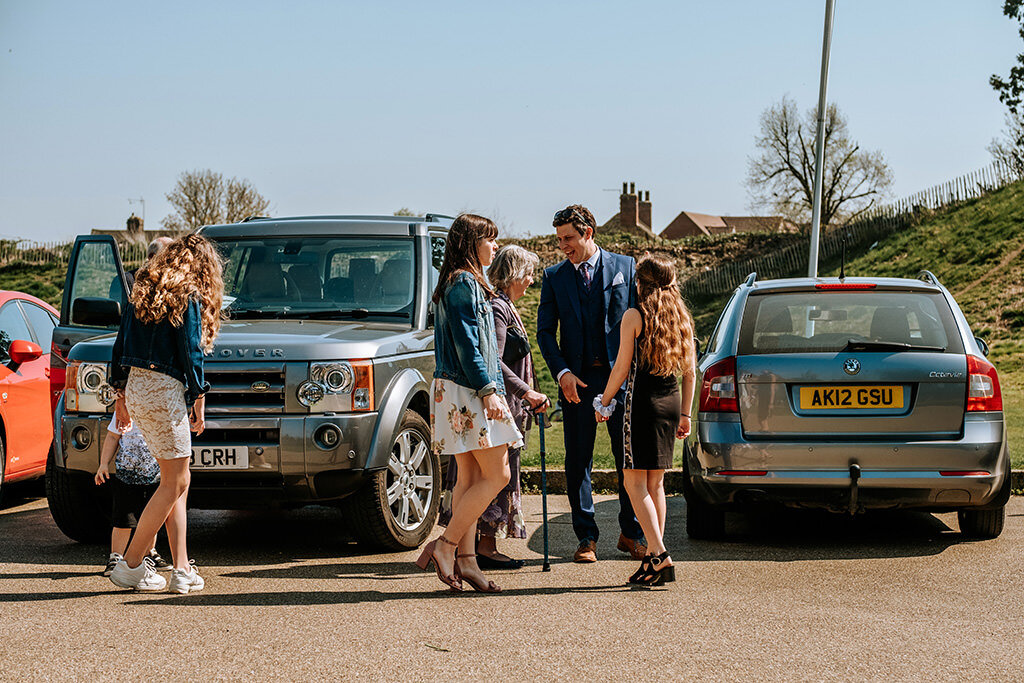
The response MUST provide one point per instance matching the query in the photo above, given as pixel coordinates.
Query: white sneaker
(185, 580)
(143, 577)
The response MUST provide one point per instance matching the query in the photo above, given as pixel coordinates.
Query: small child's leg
(119, 540)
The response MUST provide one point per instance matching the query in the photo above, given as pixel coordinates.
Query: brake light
(845, 285)
(742, 473)
(964, 473)
(362, 385)
(718, 390)
(983, 393)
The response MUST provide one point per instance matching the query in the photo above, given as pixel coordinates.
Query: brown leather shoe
(587, 552)
(637, 549)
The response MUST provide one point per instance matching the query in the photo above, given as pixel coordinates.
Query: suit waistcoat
(595, 350)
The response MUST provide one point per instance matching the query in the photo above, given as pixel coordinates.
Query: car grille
(239, 388)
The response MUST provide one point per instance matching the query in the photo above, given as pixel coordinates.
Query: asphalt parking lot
(795, 596)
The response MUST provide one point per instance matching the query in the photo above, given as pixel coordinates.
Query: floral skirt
(458, 425)
(156, 404)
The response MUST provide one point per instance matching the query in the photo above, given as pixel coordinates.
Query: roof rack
(928, 276)
(751, 279)
(432, 217)
(255, 217)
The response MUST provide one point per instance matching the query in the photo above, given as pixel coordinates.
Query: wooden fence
(58, 253)
(859, 235)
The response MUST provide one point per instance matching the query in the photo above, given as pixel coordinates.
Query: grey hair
(156, 245)
(511, 263)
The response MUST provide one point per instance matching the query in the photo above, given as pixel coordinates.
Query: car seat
(363, 273)
(890, 324)
(304, 278)
(263, 280)
(396, 281)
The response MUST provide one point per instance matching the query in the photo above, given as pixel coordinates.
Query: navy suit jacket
(560, 307)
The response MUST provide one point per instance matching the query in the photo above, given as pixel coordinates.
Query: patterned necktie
(585, 272)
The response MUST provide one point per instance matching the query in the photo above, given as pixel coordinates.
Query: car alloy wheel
(410, 480)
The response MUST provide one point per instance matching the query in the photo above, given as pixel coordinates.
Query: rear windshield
(824, 321)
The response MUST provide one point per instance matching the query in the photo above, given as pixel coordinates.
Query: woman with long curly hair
(171, 320)
(656, 346)
(469, 416)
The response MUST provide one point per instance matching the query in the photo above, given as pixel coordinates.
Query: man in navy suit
(585, 296)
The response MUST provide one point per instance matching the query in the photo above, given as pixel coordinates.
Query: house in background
(635, 217)
(134, 232)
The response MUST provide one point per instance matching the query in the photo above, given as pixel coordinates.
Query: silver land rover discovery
(847, 395)
(320, 375)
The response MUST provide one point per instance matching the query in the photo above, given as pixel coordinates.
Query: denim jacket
(465, 347)
(162, 347)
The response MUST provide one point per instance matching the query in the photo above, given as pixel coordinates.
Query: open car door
(94, 296)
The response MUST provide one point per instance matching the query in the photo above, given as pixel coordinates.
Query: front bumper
(285, 465)
(817, 474)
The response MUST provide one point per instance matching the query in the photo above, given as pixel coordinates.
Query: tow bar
(854, 477)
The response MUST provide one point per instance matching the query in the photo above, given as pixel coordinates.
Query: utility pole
(141, 201)
(819, 142)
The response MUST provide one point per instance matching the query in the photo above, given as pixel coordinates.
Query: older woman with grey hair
(511, 274)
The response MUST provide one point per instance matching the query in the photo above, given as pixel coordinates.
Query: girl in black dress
(655, 351)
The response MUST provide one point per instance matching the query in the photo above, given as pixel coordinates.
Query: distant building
(635, 217)
(134, 232)
(634, 213)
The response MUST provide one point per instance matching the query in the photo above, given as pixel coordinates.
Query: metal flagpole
(819, 142)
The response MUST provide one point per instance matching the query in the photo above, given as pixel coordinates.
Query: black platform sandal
(645, 567)
(659, 572)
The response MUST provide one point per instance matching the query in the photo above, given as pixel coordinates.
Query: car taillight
(718, 390)
(983, 393)
(362, 385)
(845, 285)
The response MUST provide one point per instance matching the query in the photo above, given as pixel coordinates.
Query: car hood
(293, 340)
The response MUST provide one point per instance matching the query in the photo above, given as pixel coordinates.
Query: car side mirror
(696, 347)
(94, 311)
(430, 314)
(23, 351)
(982, 344)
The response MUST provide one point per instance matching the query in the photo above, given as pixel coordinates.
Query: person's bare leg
(656, 487)
(119, 540)
(635, 482)
(467, 544)
(176, 527)
(174, 481)
(494, 475)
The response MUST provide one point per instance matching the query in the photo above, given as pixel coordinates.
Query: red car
(26, 414)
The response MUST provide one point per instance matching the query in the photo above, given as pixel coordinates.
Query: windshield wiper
(355, 314)
(237, 313)
(867, 345)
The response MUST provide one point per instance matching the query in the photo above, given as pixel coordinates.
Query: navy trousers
(579, 431)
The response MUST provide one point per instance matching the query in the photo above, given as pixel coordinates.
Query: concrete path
(794, 596)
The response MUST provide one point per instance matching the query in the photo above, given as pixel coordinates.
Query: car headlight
(86, 387)
(309, 393)
(335, 378)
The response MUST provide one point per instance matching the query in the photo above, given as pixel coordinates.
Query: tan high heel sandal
(427, 557)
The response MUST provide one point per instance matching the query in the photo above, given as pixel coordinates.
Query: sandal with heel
(427, 557)
(658, 573)
(645, 567)
(491, 587)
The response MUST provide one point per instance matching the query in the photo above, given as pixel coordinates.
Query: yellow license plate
(844, 398)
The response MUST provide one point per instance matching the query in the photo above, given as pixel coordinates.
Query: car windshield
(319, 277)
(824, 321)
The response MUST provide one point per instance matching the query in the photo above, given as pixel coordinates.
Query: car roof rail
(433, 217)
(928, 276)
(751, 279)
(255, 217)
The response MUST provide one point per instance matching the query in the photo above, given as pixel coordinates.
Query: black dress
(651, 417)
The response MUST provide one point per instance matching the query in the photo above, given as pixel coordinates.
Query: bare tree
(405, 211)
(205, 198)
(1009, 149)
(780, 177)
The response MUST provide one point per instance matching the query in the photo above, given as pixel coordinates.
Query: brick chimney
(134, 226)
(629, 209)
(645, 209)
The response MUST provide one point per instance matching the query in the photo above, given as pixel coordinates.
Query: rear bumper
(817, 474)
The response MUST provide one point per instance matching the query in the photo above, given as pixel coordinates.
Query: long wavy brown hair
(460, 252)
(189, 267)
(666, 345)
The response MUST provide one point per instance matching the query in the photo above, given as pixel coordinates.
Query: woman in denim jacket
(170, 321)
(469, 416)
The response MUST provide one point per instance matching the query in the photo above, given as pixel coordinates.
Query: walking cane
(542, 421)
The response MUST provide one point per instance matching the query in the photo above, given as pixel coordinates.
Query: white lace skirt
(458, 425)
(156, 404)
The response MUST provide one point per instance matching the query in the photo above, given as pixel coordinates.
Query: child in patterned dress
(136, 476)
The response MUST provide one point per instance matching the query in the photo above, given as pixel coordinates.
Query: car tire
(981, 524)
(704, 522)
(3, 468)
(76, 505)
(375, 521)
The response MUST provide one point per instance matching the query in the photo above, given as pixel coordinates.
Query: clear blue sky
(509, 109)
